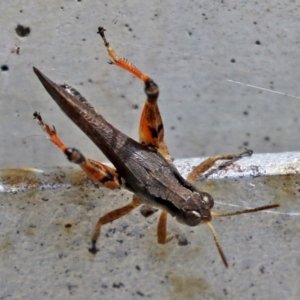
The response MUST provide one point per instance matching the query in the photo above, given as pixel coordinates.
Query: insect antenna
(217, 243)
(234, 213)
(245, 211)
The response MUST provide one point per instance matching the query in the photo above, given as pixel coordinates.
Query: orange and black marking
(151, 130)
(96, 171)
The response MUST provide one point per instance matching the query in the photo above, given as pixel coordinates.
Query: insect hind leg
(209, 163)
(121, 62)
(96, 171)
(151, 130)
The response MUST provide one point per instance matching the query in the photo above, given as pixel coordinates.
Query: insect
(145, 168)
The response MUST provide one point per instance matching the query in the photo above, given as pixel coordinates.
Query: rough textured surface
(45, 237)
(191, 50)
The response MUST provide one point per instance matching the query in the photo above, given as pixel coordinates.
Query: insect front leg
(162, 237)
(112, 216)
(96, 171)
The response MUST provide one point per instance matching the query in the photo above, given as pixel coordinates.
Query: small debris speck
(140, 293)
(117, 285)
(22, 31)
(4, 68)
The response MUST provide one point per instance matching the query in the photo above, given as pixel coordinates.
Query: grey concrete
(45, 236)
(194, 51)
(186, 47)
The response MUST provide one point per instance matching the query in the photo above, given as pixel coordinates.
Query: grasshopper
(145, 168)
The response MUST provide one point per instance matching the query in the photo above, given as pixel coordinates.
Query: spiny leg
(121, 62)
(151, 130)
(111, 216)
(96, 171)
(209, 162)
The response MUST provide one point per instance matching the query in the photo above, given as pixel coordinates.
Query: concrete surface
(186, 47)
(195, 51)
(45, 235)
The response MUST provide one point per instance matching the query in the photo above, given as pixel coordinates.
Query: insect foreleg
(111, 216)
(162, 237)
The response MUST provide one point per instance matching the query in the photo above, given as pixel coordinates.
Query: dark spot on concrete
(135, 106)
(181, 239)
(129, 28)
(140, 293)
(22, 31)
(232, 60)
(267, 138)
(4, 68)
(138, 268)
(245, 113)
(257, 42)
(68, 225)
(117, 285)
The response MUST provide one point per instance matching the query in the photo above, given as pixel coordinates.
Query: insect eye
(193, 218)
(208, 200)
